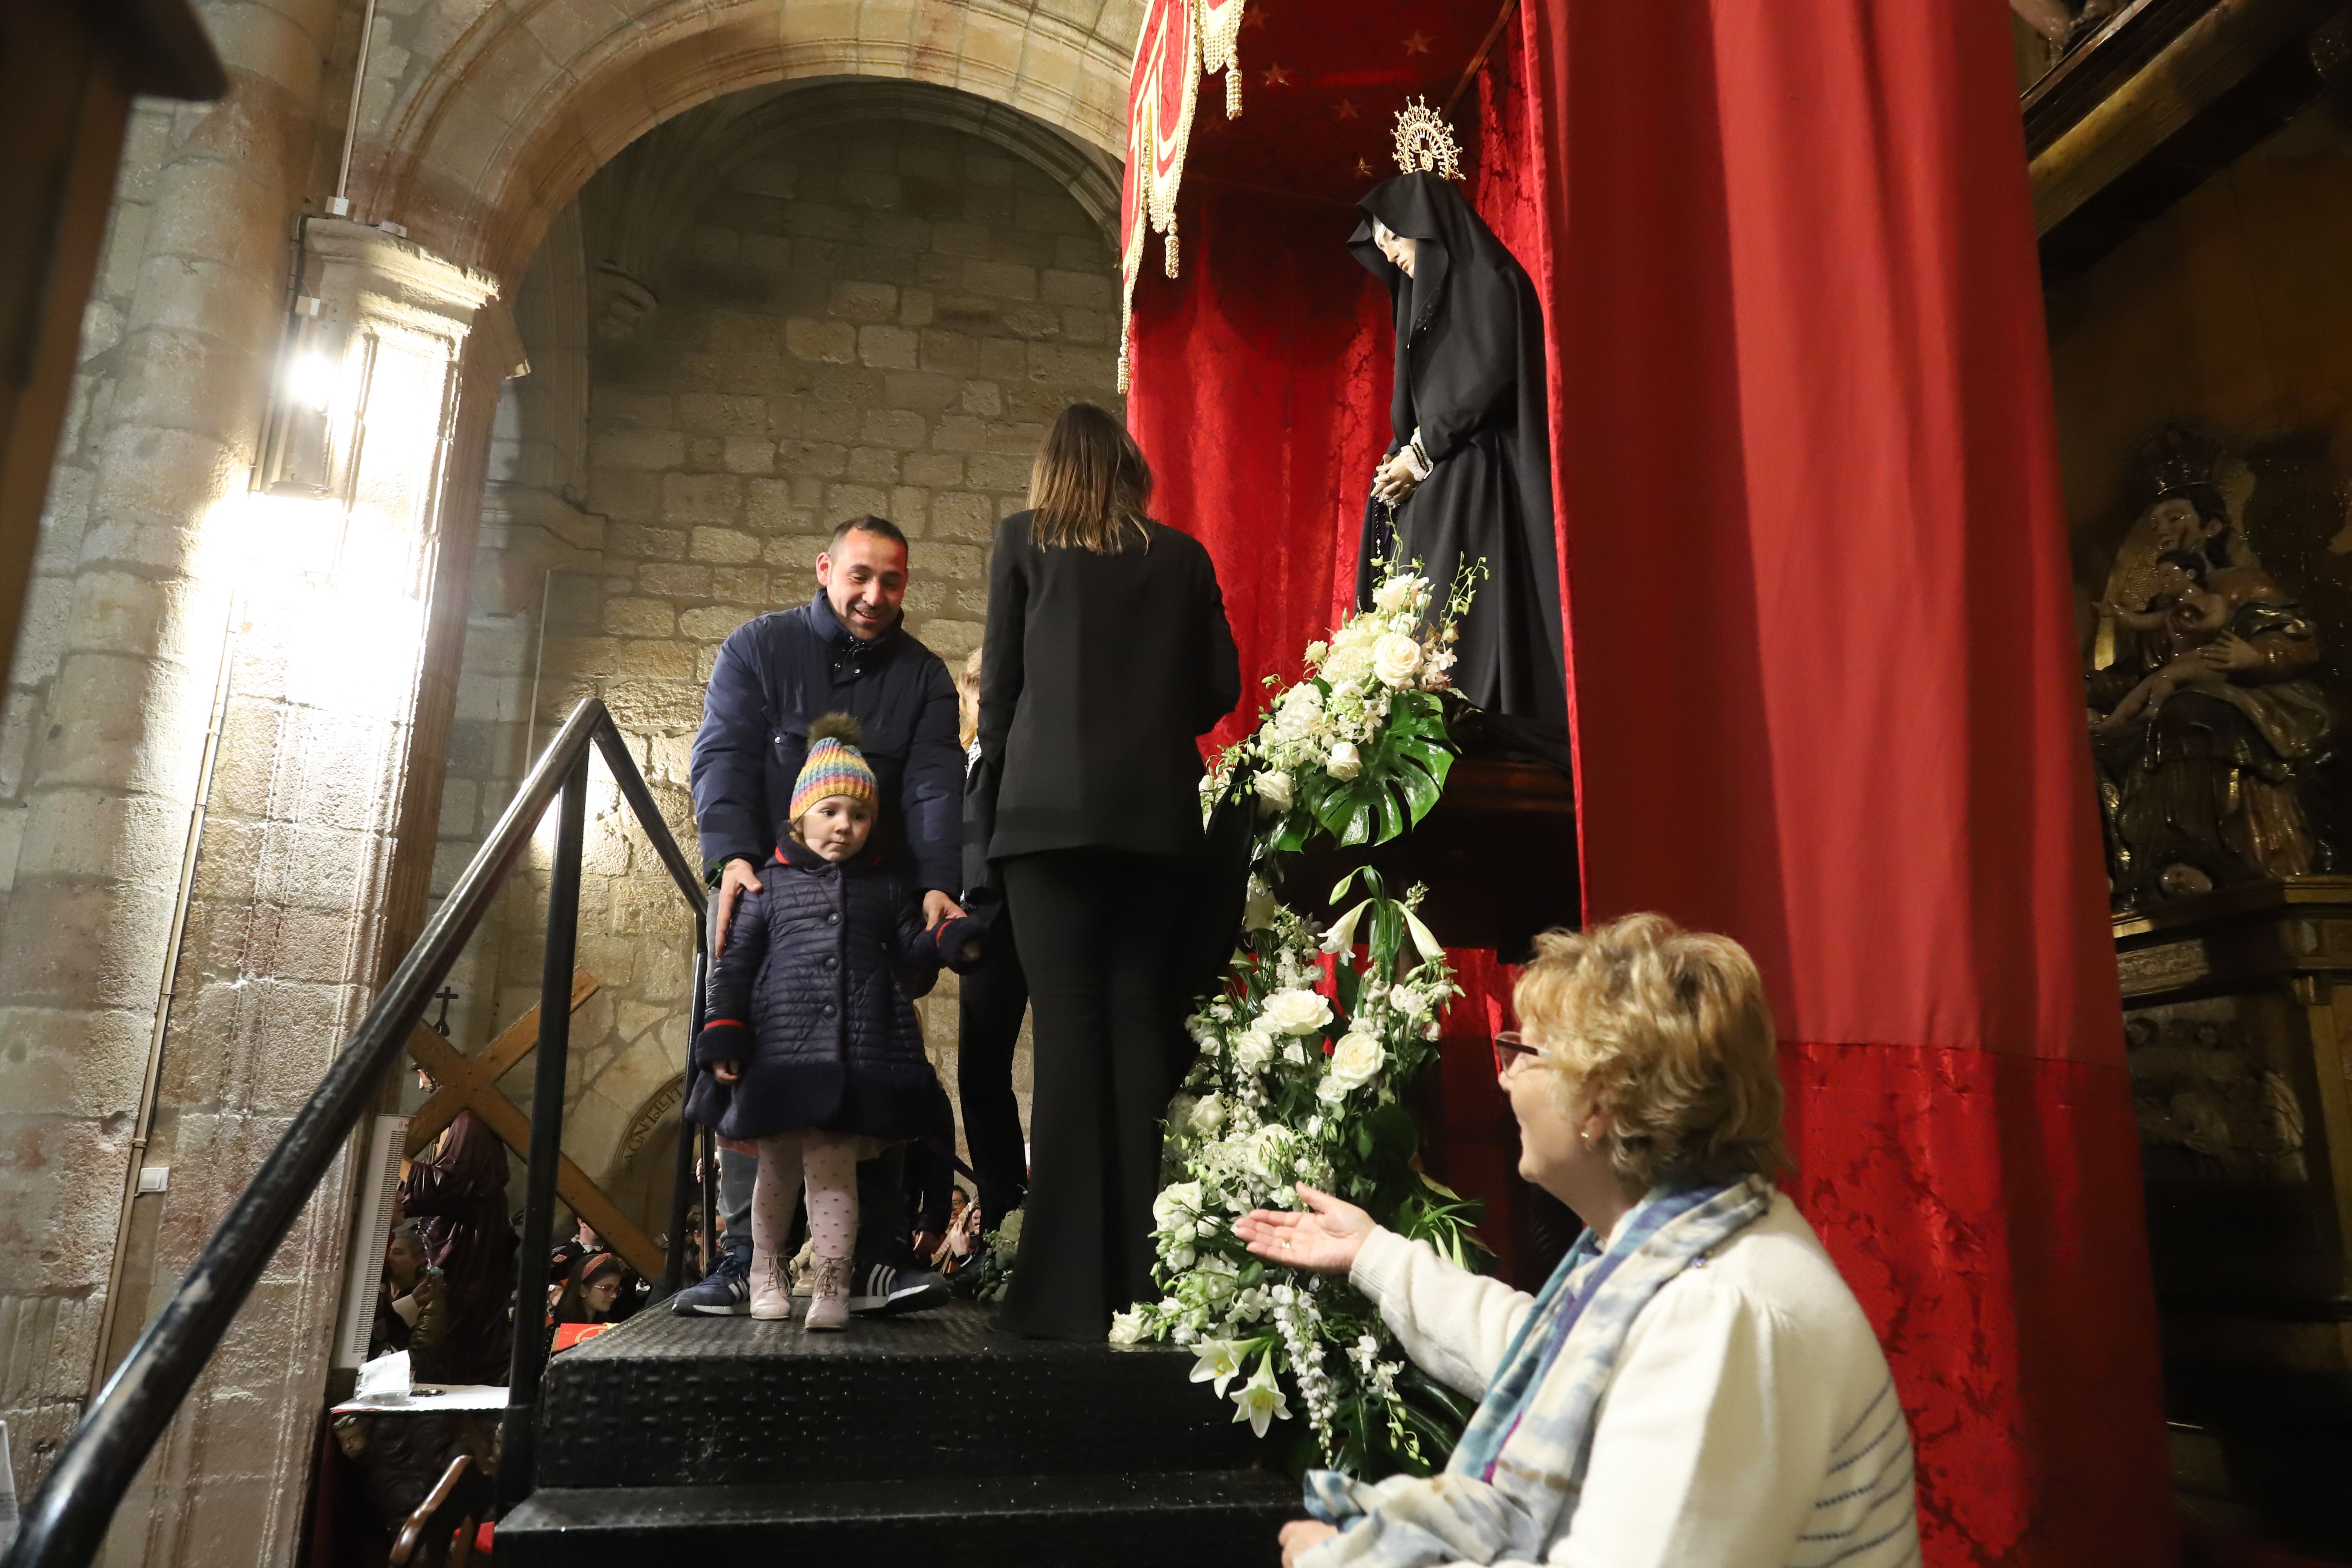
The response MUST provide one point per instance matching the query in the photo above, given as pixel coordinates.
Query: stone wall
(879, 321)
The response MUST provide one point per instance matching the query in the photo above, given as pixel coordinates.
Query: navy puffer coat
(805, 998)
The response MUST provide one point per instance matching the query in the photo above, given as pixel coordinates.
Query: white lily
(1219, 1363)
(1259, 1401)
(1342, 934)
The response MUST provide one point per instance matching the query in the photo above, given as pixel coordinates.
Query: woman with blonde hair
(1696, 1385)
(1106, 655)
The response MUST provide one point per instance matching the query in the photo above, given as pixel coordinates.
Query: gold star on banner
(1275, 75)
(1417, 44)
(1255, 17)
(1345, 109)
(1364, 168)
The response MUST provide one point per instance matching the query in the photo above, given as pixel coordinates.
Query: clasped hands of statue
(1394, 481)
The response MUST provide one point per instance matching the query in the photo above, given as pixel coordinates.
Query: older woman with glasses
(1695, 1384)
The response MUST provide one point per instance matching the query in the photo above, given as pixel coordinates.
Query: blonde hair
(1090, 487)
(967, 685)
(1667, 1032)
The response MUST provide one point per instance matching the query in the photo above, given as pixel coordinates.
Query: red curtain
(1255, 398)
(1822, 649)
(1820, 654)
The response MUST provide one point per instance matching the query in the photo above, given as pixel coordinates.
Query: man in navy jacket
(844, 651)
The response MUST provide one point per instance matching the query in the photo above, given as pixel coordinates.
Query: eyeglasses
(1511, 1048)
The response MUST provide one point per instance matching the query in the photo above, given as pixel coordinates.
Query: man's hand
(1301, 1536)
(727, 1072)
(1325, 1240)
(732, 882)
(937, 906)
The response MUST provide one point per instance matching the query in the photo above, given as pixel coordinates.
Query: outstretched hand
(1327, 1238)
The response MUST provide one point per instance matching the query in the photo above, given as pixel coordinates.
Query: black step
(1175, 1519)
(665, 1401)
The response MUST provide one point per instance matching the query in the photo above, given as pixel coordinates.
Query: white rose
(1175, 1204)
(1354, 1061)
(1396, 593)
(1331, 1091)
(1273, 788)
(1208, 1116)
(1396, 658)
(1296, 1013)
(1360, 633)
(1345, 761)
(1252, 1049)
(1126, 1328)
(1295, 1054)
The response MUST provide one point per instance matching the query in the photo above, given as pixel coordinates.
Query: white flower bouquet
(1359, 747)
(1306, 1056)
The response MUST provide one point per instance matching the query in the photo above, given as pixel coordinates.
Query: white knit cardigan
(1751, 1422)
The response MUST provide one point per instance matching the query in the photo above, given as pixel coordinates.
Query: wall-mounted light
(298, 446)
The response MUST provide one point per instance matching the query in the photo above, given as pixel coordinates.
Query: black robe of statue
(1470, 378)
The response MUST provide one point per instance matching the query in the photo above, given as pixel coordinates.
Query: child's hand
(727, 1072)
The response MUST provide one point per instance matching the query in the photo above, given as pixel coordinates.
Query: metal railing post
(519, 1456)
(682, 1177)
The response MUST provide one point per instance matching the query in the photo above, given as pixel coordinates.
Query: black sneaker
(883, 1291)
(725, 1291)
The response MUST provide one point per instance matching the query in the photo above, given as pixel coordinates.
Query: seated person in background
(588, 1295)
(408, 1303)
(1695, 1383)
(585, 1240)
(963, 1248)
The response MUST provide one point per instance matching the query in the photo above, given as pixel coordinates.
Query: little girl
(815, 1052)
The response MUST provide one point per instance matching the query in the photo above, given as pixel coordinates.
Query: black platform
(924, 1434)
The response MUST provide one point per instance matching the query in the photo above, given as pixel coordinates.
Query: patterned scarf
(1519, 1469)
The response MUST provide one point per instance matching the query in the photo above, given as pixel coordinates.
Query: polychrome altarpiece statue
(2209, 719)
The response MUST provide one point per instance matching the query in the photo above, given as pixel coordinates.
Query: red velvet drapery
(1820, 652)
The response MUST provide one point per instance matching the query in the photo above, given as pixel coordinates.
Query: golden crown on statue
(1424, 145)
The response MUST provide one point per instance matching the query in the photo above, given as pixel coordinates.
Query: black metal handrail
(67, 1518)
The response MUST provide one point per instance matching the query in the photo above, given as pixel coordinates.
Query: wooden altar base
(1497, 853)
(2238, 1018)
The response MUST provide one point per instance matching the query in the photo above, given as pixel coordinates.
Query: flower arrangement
(1306, 1055)
(1359, 748)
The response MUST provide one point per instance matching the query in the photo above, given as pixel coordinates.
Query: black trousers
(1093, 928)
(994, 997)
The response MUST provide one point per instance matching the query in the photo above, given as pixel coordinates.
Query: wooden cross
(471, 1083)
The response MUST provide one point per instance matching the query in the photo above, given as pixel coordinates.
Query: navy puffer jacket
(805, 998)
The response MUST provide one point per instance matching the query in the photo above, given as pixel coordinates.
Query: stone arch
(498, 132)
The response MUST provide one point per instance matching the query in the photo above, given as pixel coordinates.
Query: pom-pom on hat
(834, 766)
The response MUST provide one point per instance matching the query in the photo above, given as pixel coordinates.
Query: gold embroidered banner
(1180, 41)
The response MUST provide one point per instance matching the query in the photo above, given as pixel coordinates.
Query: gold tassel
(1232, 90)
(1171, 263)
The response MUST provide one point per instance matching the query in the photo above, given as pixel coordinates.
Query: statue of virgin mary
(1467, 476)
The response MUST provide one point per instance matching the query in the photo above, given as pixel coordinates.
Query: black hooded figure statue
(1469, 418)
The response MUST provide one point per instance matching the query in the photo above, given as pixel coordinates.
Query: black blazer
(1100, 673)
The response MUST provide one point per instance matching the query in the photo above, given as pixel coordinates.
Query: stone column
(211, 919)
(293, 912)
(115, 674)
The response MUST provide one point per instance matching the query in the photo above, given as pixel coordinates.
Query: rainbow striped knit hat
(834, 766)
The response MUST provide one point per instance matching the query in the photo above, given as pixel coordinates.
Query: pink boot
(829, 1301)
